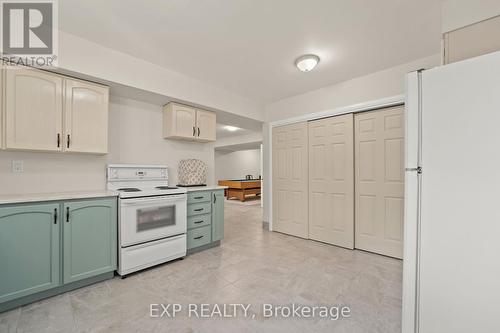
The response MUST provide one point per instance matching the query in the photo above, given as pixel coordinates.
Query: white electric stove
(152, 216)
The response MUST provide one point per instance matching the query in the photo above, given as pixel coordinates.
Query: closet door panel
(379, 169)
(331, 180)
(290, 174)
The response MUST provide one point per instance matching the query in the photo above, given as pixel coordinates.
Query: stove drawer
(199, 221)
(199, 208)
(145, 255)
(195, 197)
(199, 237)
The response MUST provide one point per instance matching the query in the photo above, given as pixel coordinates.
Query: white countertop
(35, 197)
(205, 188)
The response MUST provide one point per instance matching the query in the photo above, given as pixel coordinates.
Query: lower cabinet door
(90, 238)
(217, 215)
(29, 249)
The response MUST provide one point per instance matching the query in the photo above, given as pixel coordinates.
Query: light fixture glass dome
(307, 62)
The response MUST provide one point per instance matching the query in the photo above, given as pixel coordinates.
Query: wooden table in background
(240, 188)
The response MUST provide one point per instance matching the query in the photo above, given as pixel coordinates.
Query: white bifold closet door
(379, 185)
(331, 180)
(290, 180)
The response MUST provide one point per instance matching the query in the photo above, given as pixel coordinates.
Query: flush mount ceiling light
(307, 62)
(231, 128)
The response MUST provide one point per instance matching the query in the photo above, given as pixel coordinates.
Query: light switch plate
(17, 166)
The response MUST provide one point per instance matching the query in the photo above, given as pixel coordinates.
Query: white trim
(360, 107)
(355, 108)
(270, 178)
(409, 299)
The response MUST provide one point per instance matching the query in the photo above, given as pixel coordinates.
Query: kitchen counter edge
(205, 188)
(58, 196)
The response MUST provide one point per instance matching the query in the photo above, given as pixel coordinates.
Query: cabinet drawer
(199, 236)
(198, 209)
(194, 197)
(199, 221)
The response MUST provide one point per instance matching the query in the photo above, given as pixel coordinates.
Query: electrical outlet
(17, 166)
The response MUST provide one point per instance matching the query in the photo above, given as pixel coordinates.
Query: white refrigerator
(451, 274)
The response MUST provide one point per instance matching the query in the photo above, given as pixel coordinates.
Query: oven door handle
(147, 202)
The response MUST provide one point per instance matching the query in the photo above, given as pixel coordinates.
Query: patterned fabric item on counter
(192, 172)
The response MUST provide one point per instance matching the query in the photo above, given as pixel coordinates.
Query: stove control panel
(118, 172)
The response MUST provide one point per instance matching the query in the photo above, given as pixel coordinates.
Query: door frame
(355, 108)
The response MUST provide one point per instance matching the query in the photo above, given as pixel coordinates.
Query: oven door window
(155, 218)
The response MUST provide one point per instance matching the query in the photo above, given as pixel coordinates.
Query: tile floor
(252, 266)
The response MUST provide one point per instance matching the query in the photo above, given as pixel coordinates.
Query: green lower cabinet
(205, 219)
(217, 215)
(90, 238)
(49, 248)
(29, 249)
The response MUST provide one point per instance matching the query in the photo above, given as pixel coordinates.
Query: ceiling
(221, 132)
(248, 47)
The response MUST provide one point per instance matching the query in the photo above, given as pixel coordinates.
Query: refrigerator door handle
(417, 169)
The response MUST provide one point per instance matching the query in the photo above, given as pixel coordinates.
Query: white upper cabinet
(188, 123)
(205, 123)
(44, 111)
(33, 110)
(85, 117)
(179, 121)
(472, 41)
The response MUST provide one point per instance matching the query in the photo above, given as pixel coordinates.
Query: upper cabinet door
(179, 122)
(33, 110)
(185, 119)
(205, 123)
(86, 117)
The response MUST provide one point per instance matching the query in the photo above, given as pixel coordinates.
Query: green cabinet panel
(194, 197)
(90, 238)
(29, 249)
(199, 208)
(198, 221)
(217, 215)
(198, 237)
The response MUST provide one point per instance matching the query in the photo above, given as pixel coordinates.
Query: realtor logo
(29, 32)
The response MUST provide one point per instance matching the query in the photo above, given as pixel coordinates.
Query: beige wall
(237, 164)
(51, 172)
(83, 56)
(386, 83)
(135, 136)
(379, 85)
